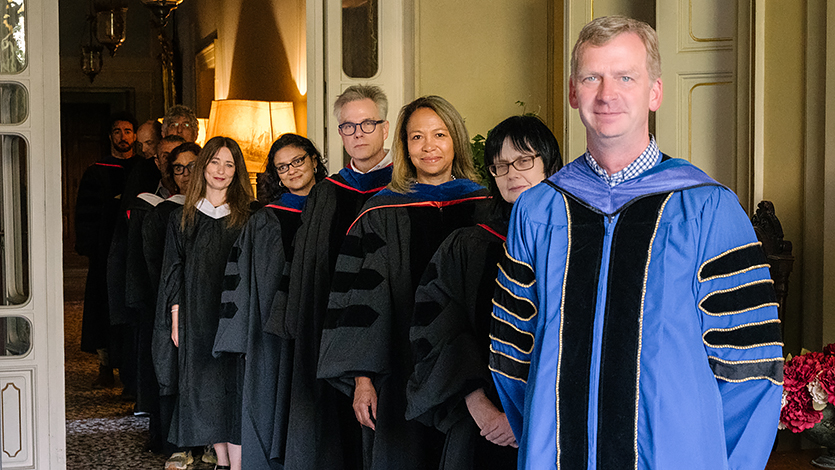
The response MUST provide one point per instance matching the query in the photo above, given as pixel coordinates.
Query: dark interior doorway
(84, 120)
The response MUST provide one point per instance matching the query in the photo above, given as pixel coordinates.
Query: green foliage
(477, 145)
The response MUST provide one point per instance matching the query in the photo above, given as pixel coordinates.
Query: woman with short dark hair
(451, 387)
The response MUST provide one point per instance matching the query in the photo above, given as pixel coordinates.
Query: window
(360, 38)
(13, 57)
(14, 225)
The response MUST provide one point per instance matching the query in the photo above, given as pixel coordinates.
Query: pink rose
(829, 350)
(798, 413)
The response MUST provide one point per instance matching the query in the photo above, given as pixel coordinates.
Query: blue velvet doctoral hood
(448, 191)
(291, 201)
(367, 181)
(671, 174)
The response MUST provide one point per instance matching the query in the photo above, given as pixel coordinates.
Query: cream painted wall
(483, 57)
(784, 145)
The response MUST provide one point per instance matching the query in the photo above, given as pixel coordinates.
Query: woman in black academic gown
(365, 344)
(253, 274)
(200, 236)
(141, 286)
(451, 387)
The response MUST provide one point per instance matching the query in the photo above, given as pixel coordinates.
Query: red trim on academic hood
(485, 227)
(438, 204)
(288, 209)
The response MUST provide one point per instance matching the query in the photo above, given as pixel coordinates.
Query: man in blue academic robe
(635, 323)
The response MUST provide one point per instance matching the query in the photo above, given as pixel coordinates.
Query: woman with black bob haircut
(528, 135)
(257, 262)
(451, 387)
(270, 186)
(200, 236)
(365, 342)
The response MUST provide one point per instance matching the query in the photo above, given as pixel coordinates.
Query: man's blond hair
(602, 30)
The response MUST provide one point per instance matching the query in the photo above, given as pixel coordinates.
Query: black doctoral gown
(366, 331)
(451, 345)
(252, 276)
(162, 349)
(139, 298)
(322, 430)
(208, 408)
(96, 213)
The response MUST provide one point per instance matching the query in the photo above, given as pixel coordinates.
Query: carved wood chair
(778, 251)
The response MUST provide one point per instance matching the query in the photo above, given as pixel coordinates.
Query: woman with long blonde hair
(200, 236)
(365, 344)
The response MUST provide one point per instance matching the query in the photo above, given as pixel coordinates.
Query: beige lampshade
(253, 124)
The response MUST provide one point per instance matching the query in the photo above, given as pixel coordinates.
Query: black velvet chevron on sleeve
(734, 261)
(505, 333)
(741, 371)
(517, 272)
(746, 337)
(744, 298)
(509, 367)
(513, 305)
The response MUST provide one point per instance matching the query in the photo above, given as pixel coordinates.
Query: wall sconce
(110, 27)
(162, 8)
(254, 125)
(91, 60)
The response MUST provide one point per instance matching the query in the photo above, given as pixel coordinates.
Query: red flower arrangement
(808, 386)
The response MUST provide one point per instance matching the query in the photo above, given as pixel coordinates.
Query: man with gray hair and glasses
(323, 432)
(180, 120)
(634, 322)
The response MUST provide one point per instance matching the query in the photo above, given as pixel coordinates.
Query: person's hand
(498, 431)
(492, 422)
(365, 402)
(175, 324)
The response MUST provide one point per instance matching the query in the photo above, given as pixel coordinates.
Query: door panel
(704, 116)
(16, 398)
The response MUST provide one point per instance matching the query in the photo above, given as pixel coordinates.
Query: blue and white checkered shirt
(648, 159)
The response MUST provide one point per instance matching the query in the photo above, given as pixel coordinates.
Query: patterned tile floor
(102, 433)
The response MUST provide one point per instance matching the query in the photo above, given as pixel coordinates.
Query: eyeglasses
(178, 124)
(521, 164)
(180, 169)
(295, 163)
(350, 128)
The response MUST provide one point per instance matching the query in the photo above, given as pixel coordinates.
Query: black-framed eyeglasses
(521, 164)
(368, 126)
(179, 169)
(295, 163)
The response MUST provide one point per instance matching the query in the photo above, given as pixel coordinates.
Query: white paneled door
(32, 426)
